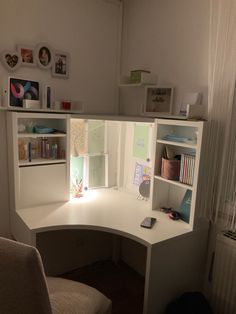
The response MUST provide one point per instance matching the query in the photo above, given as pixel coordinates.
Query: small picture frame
(44, 56)
(11, 60)
(60, 66)
(158, 100)
(27, 55)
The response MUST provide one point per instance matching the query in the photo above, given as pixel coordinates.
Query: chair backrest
(23, 288)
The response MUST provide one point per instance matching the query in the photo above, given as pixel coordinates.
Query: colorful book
(187, 168)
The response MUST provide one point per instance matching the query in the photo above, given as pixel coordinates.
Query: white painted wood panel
(42, 185)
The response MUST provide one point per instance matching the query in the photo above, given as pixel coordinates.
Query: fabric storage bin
(170, 169)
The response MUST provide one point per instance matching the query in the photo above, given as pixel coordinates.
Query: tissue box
(31, 104)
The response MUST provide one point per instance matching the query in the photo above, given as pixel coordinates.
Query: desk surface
(105, 210)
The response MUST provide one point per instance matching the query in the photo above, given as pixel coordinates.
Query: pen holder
(170, 169)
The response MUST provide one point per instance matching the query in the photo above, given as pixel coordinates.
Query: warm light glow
(87, 197)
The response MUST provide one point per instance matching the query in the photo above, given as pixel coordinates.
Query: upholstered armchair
(24, 288)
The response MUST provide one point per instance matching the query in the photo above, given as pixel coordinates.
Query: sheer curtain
(220, 202)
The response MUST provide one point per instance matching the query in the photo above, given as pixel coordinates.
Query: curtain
(220, 200)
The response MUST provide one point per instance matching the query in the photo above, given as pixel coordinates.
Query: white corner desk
(175, 253)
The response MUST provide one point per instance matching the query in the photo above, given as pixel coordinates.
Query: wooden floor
(118, 282)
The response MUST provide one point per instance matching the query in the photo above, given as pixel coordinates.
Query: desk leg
(173, 267)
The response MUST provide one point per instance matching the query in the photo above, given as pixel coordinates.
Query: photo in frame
(60, 66)
(20, 89)
(11, 60)
(44, 56)
(158, 100)
(27, 54)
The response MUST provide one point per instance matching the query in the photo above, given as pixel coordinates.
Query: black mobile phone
(148, 222)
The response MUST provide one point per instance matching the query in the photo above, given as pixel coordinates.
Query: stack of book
(187, 168)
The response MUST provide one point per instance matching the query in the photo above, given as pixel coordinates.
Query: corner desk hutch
(108, 160)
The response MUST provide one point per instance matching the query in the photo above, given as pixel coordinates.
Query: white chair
(24, 288)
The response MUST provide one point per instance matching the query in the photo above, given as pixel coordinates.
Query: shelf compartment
(179, 144)
(177, 183)
(34, 162)
(36, 135)
(188, 133)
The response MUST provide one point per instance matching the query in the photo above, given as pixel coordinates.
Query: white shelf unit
(170, 193)
(38, 163)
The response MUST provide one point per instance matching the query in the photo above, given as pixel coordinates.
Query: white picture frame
(61, 64)
(27, 54)
(44, 56)
(11, 60)
(158, 100)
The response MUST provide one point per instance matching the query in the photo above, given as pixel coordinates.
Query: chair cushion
(70, 297)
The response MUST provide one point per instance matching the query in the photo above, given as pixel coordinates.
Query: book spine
(187, 169)
(30, 151)
(181, 168)
(193, 168)
(184, 168)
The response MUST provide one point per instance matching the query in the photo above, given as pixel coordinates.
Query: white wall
(169, 38)
(88, 30)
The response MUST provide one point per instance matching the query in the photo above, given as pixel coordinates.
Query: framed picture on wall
(60, 66)
(11, 60)
(158, 100)
(44, 56)
(27, 54)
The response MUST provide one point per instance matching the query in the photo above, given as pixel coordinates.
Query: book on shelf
(184, 208)
(187, 166)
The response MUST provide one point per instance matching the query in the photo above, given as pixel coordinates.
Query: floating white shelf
(34, 162)
(180, 144)
(177, 183)
(131, 84)
(36, 135)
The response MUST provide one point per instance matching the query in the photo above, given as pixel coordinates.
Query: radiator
(223, 297)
